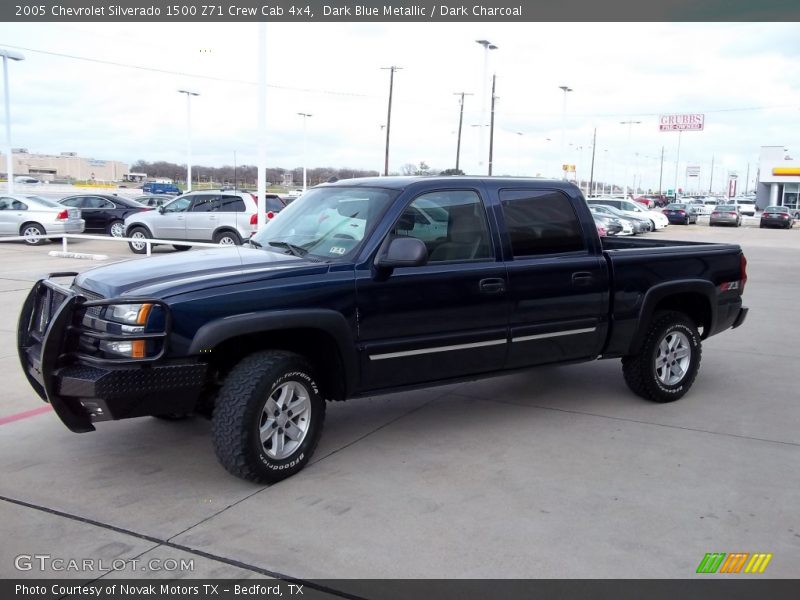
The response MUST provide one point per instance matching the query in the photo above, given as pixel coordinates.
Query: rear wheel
(33, 232)
(139, 234)
(666, 365)
(116, 229)
(227, 238)
(268, 417)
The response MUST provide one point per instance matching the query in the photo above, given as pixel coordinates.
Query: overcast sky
(742, 76)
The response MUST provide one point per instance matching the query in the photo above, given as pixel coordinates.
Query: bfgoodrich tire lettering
(268, 417)
(667, 363)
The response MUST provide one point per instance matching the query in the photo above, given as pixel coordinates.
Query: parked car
(225, 218)
(777, 216)
(154, 200)
(700, 205)
(153, 187)
(647, 202)
(680, 213)
(104, 213)
(26, 179)
(725, 214)
(260, 338)
(638, 224)
(609, 225)
(34, 217)
(657, 218)
(747, 205)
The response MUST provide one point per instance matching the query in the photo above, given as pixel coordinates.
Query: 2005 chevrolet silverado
(368, 286)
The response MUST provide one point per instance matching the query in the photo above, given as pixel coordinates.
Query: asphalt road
(559, 472)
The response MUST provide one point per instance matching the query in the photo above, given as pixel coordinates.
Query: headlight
(129, 314)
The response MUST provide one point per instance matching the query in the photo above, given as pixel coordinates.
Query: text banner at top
(414, 11)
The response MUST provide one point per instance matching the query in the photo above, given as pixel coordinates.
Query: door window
(451, 223)
(540, 222)
(204, 203)
(179, 205)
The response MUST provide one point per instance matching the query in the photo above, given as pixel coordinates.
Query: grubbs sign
(691, 122)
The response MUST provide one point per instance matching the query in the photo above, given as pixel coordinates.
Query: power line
(184, 74)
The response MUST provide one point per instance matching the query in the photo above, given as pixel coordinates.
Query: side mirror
(402, 252)
(161, 209)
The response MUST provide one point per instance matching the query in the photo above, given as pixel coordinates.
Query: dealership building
(778, 178)
(66, 166)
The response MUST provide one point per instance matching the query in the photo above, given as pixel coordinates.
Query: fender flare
(659, 292)
(331, 322)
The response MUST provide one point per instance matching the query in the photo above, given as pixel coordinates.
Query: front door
(447, 318)
(171, 224)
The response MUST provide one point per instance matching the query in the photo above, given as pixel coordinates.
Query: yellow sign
(786, 171)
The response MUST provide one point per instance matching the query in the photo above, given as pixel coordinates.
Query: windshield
(326, 222)
(46, 201)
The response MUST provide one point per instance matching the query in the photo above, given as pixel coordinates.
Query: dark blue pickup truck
(368, 286)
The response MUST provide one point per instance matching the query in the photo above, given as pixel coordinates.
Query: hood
(179, 272)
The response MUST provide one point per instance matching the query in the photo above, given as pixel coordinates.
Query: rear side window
(232, 204)
(541, 222)
(273, 203)
(204, 203)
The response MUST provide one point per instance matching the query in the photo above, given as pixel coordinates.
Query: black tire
(640, 370)
(32, 233)
(181, 248)
(652, 225)
(227, 238)
(240, 414)
(116, 226)
(139, 247)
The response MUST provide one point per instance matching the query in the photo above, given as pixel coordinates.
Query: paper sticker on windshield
(337, 250)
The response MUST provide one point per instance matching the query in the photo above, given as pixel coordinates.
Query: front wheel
(139, 234)
(666, 366)
(268, 417)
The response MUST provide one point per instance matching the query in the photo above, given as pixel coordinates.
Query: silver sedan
(35, 218)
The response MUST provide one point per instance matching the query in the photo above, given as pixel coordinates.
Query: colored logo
(720, 562)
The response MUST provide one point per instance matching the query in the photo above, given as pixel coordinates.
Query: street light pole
(628, 153)
(189, 95)
(487, 45)
(305, 116)
(565, 89)
(491, 127)
(8, 55)
(460, 124)
(391, 70)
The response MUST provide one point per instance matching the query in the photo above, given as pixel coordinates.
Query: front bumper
(84, 389)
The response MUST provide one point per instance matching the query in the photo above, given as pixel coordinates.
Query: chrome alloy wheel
(673, 358)
(285, 420)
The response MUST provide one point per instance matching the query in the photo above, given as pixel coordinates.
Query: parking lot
(559, 472)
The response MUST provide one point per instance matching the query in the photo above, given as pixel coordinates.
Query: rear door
(447, 318)
(558, 283)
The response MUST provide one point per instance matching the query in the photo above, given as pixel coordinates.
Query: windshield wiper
(254, 243)
(292, 248)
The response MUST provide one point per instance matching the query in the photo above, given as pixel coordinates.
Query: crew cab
(366, 286)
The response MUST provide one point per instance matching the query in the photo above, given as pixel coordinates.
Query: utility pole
(460, 124)
(591, 172)
(391, 70)
(661, 172)
(747, 180)
(711, 178)
(491, 125)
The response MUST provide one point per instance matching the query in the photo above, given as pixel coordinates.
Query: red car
(649, 203)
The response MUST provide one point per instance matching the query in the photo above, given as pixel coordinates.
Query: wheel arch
(695, 299)
(323, 337)
(132, 226)
(227, 229)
